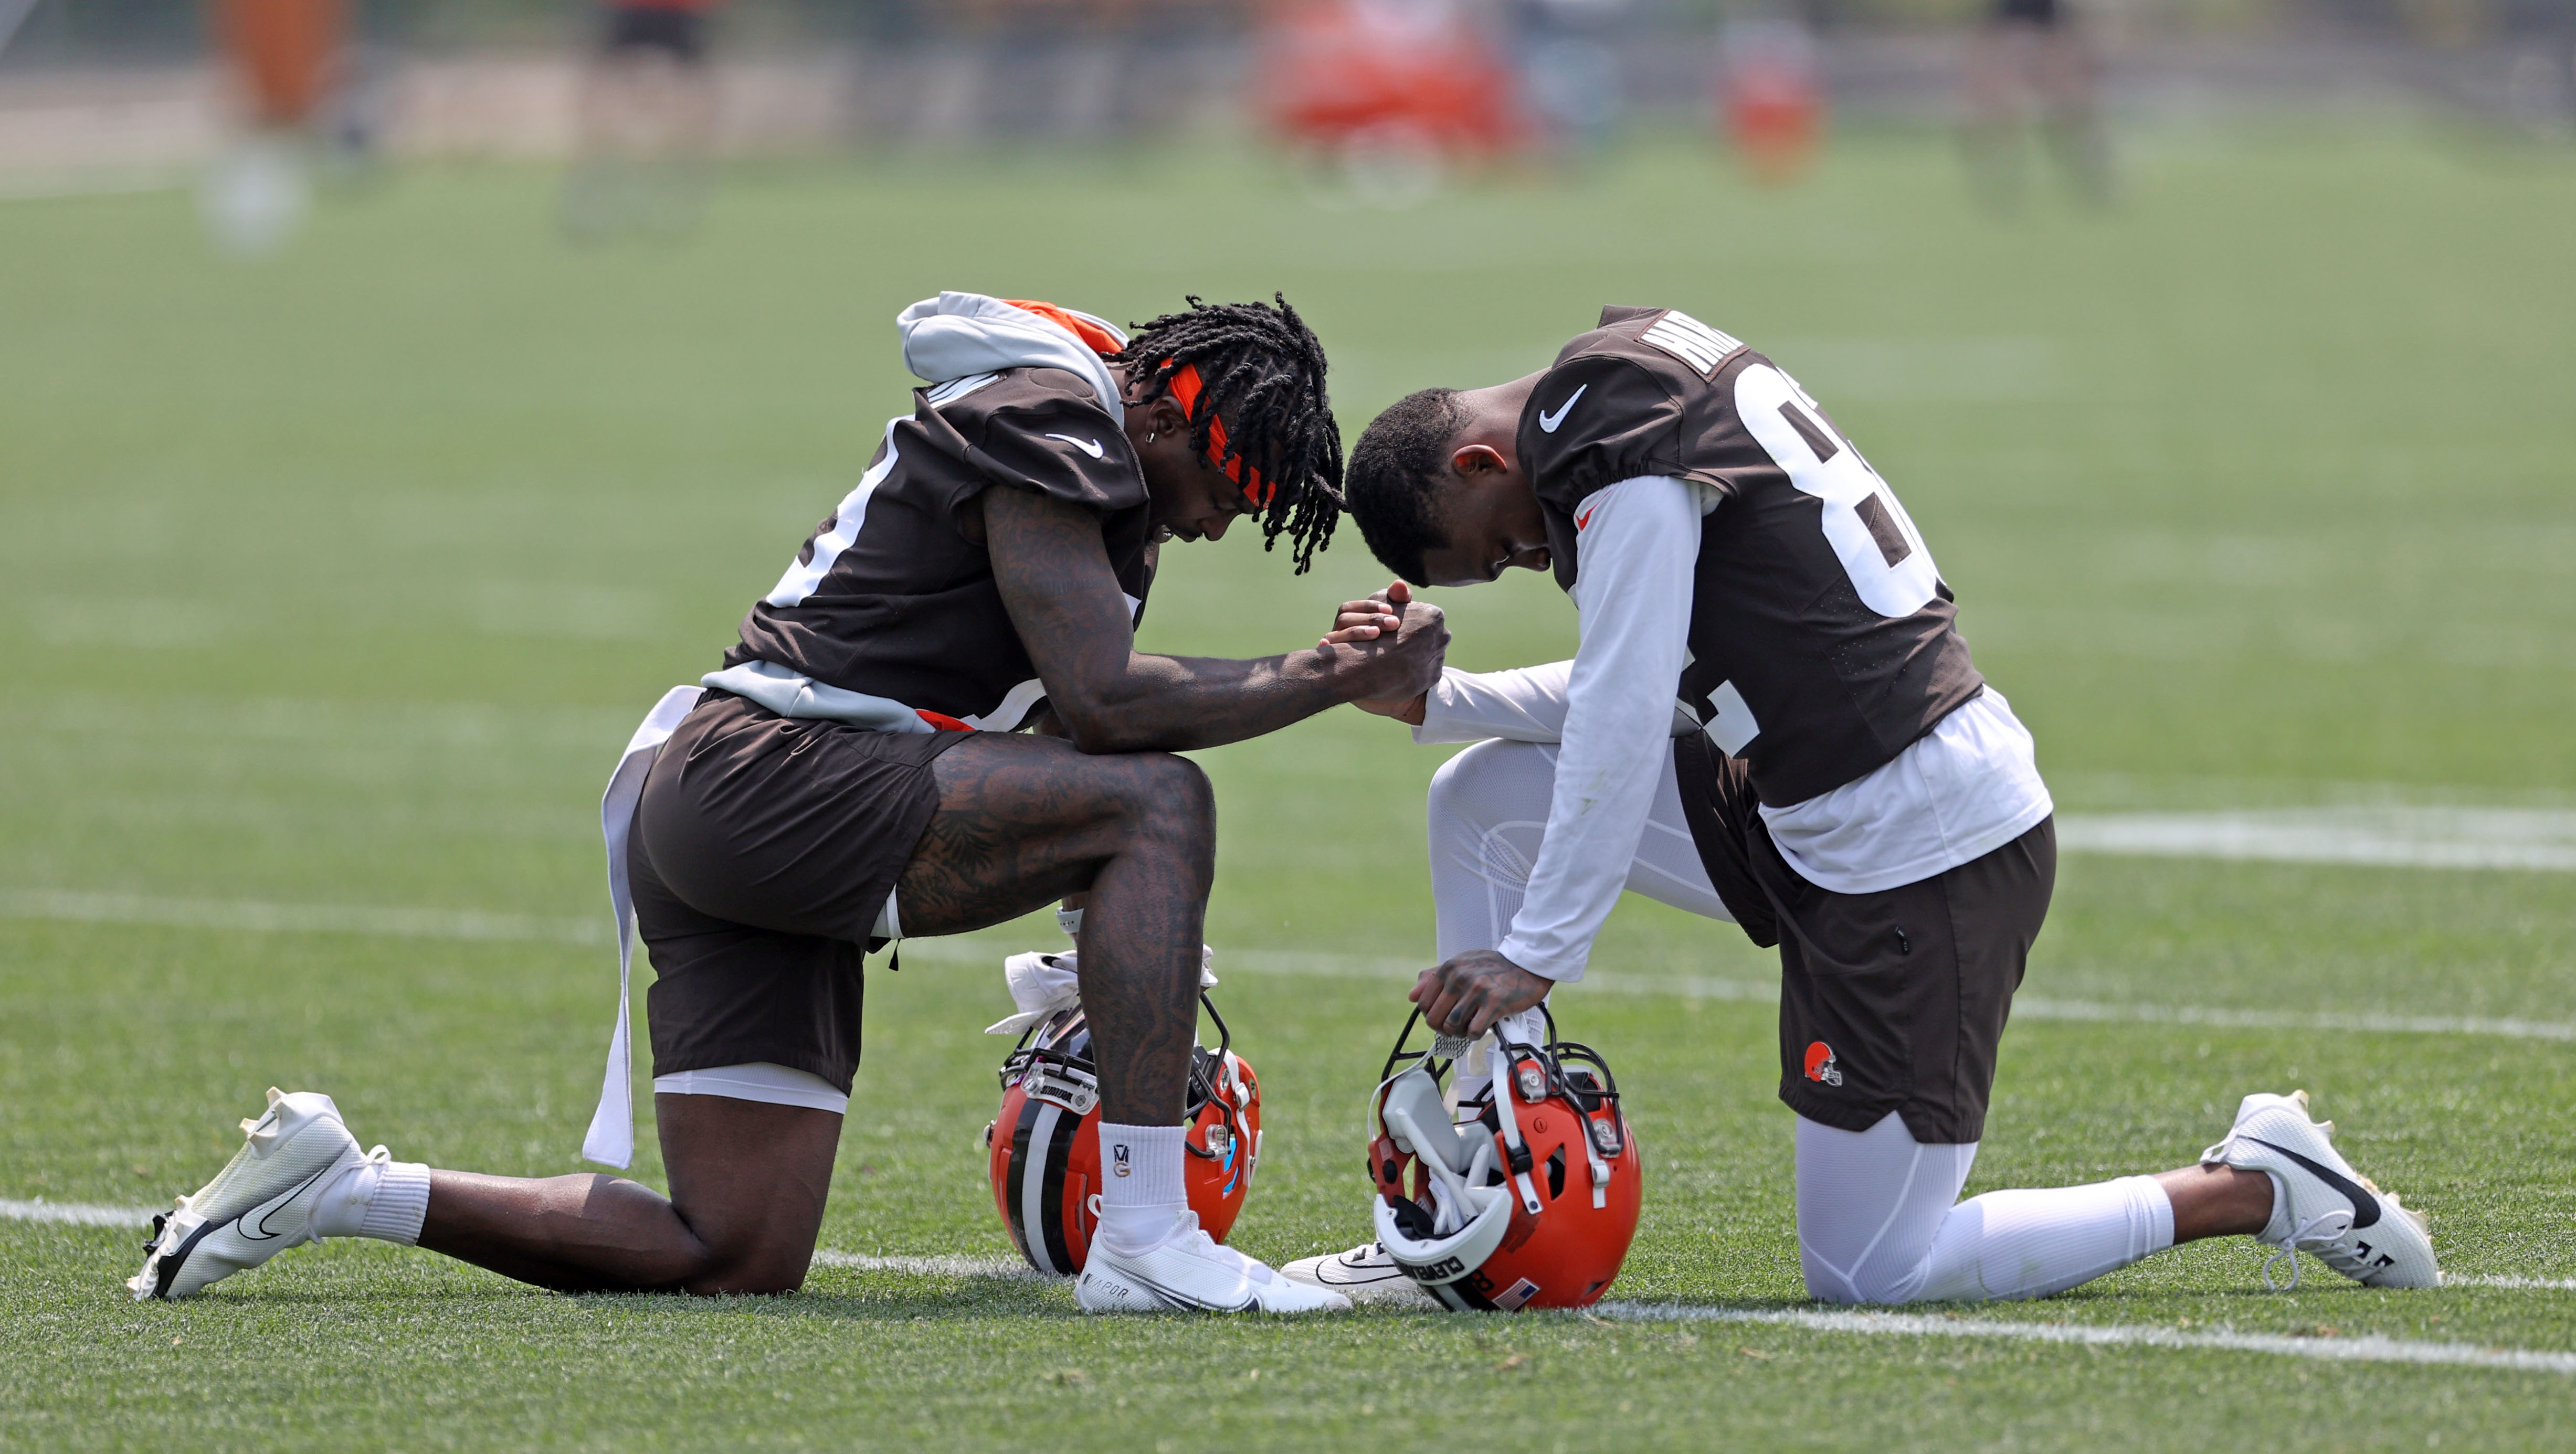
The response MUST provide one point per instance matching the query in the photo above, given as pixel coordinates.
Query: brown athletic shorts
(1892, 1001)
(764, 847)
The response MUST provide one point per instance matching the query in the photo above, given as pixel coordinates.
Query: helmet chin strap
(1504, 1093)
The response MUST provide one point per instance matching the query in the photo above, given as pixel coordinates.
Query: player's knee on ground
(1888, 1282)
(759, 1270)
(1872, 1209)
(755, 1256)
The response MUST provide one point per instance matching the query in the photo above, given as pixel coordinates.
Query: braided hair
(1262, 367)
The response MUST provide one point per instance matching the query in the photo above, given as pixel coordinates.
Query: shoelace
(2290, 1249)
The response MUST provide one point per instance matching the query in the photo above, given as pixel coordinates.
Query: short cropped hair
(1395, 475)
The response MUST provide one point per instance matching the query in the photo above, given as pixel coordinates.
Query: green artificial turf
(335, 581)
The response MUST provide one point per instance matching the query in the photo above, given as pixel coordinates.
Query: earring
(1151, 436)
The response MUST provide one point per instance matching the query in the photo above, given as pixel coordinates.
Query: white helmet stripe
(1033, 1206)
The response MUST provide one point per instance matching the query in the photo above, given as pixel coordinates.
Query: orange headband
(1185, 392)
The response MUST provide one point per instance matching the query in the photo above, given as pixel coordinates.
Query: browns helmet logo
(1820, 1064)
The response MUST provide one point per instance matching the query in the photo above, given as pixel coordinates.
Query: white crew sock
(379, 1197)
(1142, 1199)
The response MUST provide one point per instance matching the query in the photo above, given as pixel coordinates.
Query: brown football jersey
(890, 598)
(1822, 639)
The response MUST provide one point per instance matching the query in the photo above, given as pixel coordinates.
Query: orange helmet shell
(1043, 1149)
(1583, 1165)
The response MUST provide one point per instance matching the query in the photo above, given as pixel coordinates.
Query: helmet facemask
(1518, 1191)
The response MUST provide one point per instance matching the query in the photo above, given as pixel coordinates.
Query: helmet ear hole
(1556, 1174)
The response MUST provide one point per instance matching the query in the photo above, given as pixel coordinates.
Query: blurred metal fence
(130, 82)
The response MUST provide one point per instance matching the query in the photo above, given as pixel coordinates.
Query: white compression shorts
(757, 1081)
(1879, 1215)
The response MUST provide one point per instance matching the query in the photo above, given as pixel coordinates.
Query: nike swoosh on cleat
(2365, 1207)
(1549, 421)
(1184, 1300)
(1087, 446)
(254, 1223)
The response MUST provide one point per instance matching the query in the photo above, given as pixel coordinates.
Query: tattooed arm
(1056, 581)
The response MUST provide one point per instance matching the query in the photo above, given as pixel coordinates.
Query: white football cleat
(1190, 1273)
(259, 1205)
(1365, 1274)
(2323, 1206)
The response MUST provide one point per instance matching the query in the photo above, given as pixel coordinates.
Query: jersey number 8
(1870, 532)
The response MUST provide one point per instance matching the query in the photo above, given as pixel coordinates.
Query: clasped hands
(1360, 621)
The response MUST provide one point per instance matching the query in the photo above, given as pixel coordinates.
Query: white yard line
(78, 1214)
(941, 1265)
(252, 916)
(246, 916)
(2535, 839)
(2366, 1349)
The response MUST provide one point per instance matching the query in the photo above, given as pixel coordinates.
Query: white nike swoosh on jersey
(1090, 446)
(1549, 421)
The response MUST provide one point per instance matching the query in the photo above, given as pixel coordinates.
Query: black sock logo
(1118, 1154)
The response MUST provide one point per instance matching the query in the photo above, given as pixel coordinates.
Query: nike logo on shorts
(1549, 421)
(1087, 446)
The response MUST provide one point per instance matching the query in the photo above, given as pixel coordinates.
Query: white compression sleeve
(1640, 539)
(1879, 1221)
(1524, 704)
(1488, 812)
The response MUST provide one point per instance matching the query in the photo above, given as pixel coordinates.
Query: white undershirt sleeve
(1639, 540)
(1525, 704)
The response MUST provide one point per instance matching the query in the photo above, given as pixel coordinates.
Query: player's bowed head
(1228, 415)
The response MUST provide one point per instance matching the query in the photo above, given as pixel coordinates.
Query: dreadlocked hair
(1263, 369)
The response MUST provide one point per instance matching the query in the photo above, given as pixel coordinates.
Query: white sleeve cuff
(1524, 704)
(1565, 965)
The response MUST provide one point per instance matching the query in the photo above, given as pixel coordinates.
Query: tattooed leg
(1023, 821)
